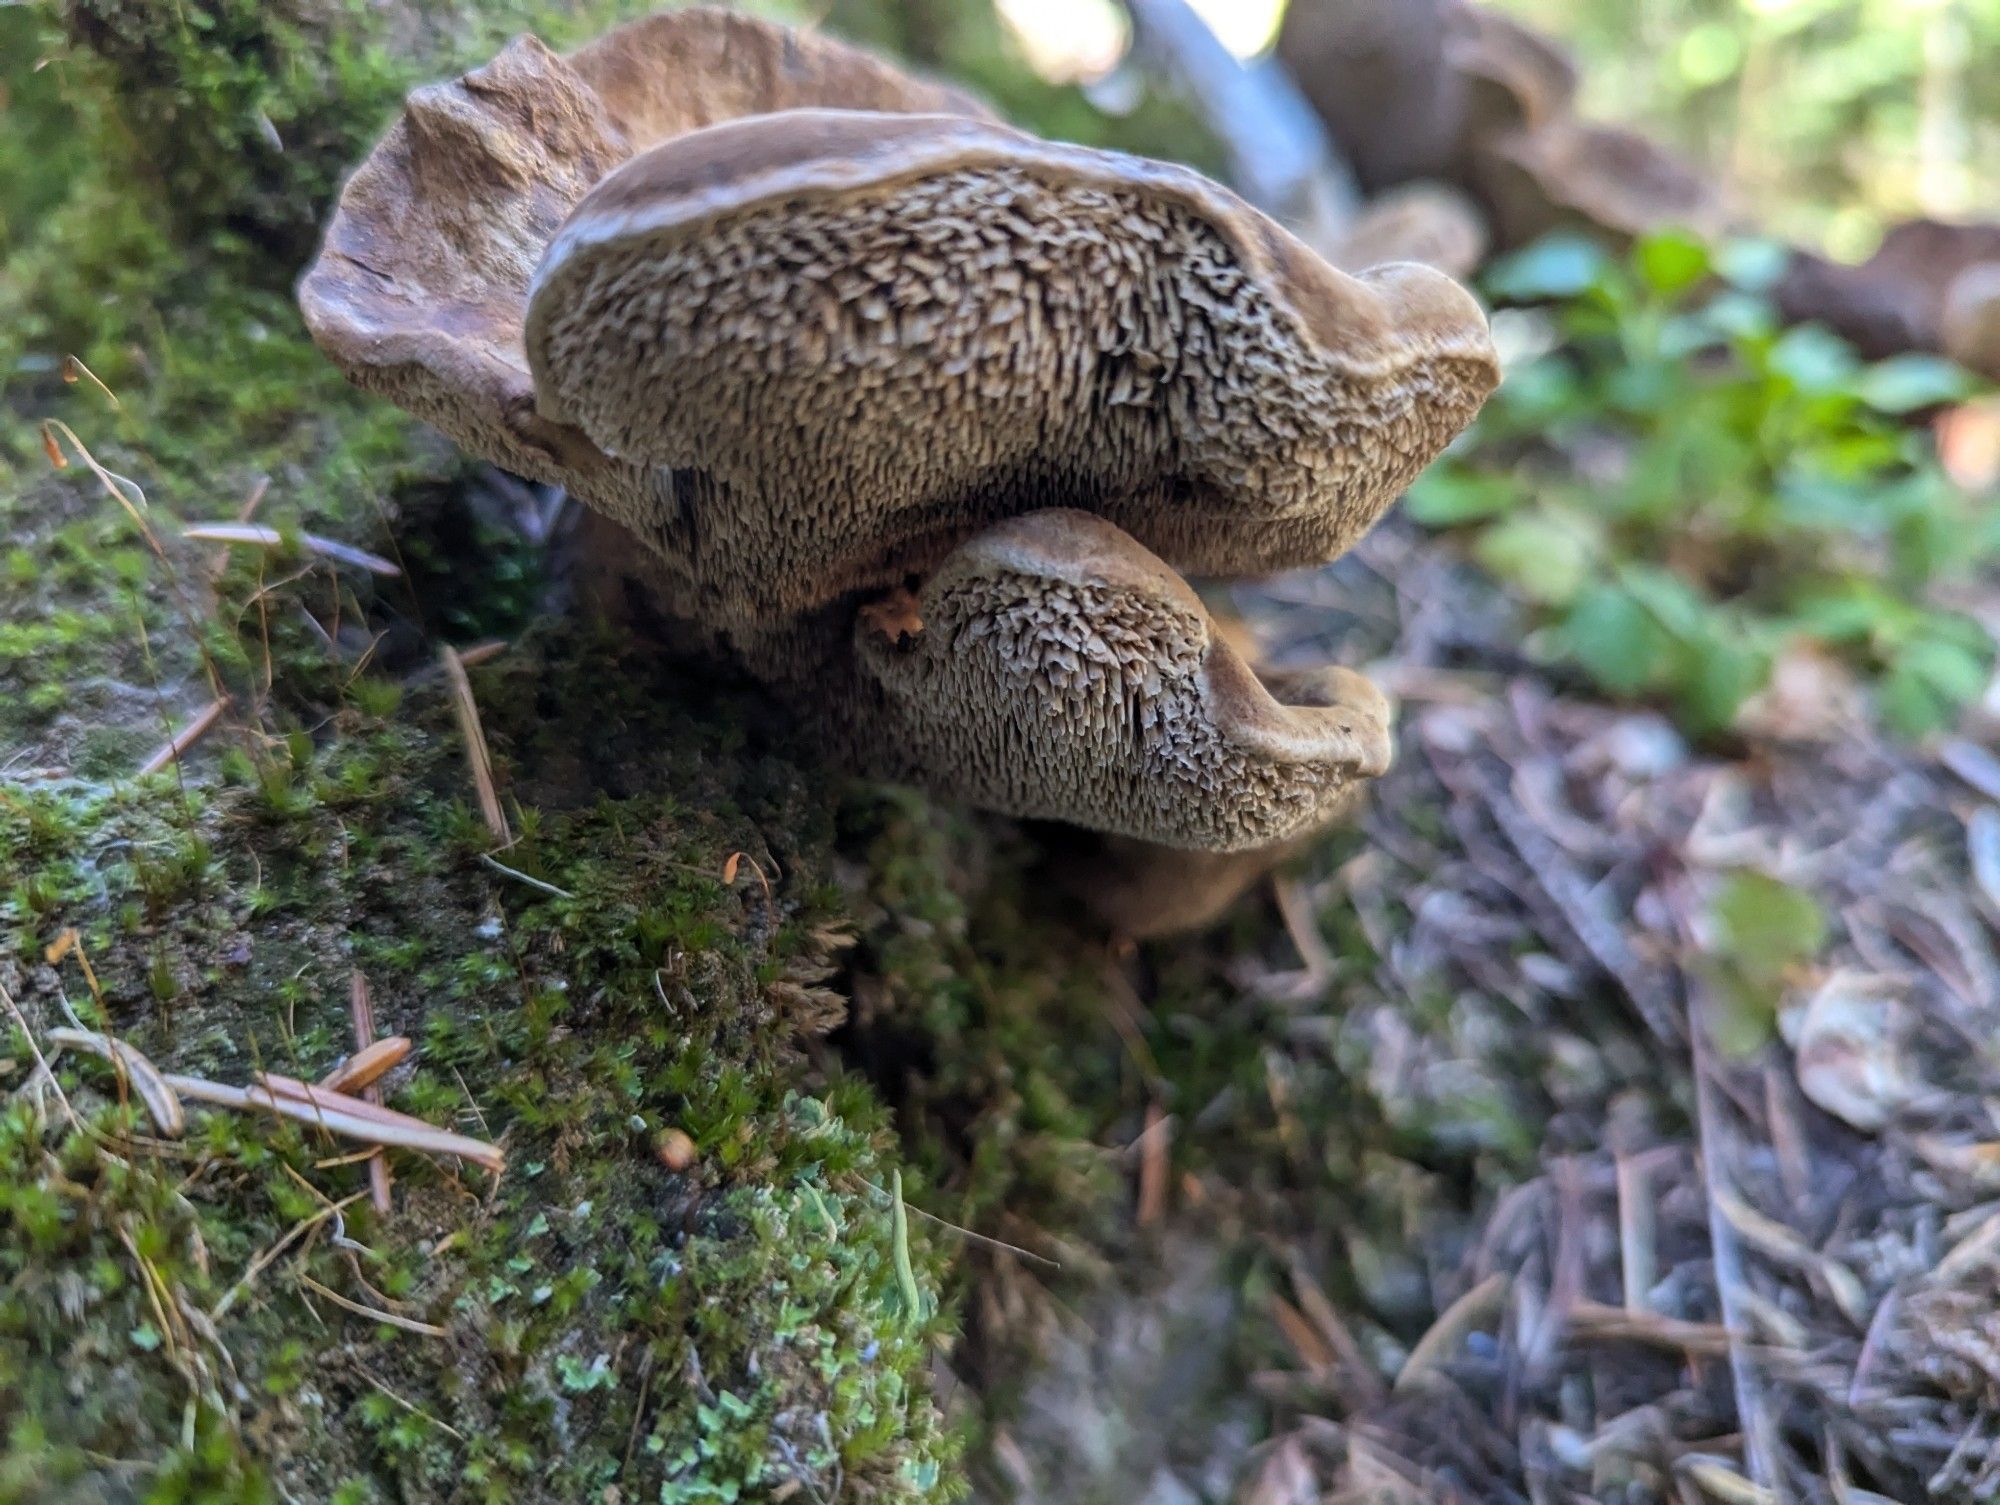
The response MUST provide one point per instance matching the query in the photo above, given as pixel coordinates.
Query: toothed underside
(813, 400)
(420, 290)
(1079, 701)
(835, 392)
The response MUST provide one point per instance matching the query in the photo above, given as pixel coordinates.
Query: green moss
(243, 115)
(703, 1333)
(613, 1326)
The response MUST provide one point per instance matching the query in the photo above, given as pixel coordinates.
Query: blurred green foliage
(1826, 118)
(1759, 932)
(1682, 488)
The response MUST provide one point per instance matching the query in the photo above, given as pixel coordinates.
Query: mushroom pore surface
(845, 342)
(1059, 667)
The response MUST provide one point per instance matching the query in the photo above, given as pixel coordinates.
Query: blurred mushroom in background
(1930, 286)
(1422, 93)
(1463, 94)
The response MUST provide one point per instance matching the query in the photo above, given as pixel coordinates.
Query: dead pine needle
(1727, 1256)
(734, 862)
(415, 1410)
(1454, 1325)
(371, 1058)
(257, 535)
(373, 1314)
(1303, 928)
(42, 1071)
(135, 1070)
(358, 1074)
(276, 1251)
(1637, 1253)
(176, 747)
(477, 755)
(963, 1232)
(480, 653)
(520, 877)
(1718, 1481)
(1352, 1365)
(348, 1117)
(125, 491)
(1306, 1342)
(1152, 1145)
(70, 941)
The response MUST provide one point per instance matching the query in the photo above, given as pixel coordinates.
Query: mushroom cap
(1613, 181)
(1411, 88)
(1512, 76)
(1375, 72)
(1055, 668)
(1921, 290)
(1422, 221)
(421, 283)
(1465, 93)
(1970, 318)
(846, 341)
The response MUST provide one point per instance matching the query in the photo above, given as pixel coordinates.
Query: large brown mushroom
(916, 415)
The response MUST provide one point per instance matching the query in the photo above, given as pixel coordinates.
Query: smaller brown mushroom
(1375, 73)
(1425, 222)
(1062, 670)
(1970, 317)
(1512, 77)
(1610, 182)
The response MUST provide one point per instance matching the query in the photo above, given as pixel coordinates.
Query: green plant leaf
(1547, 560)
(1557, 266)
(1752, 263)
(1850, 612)
(1759, 929)
(1951, 669)
(1677, 606)
(1814, 359)
(1761, 926)
(1447, 495)
(1616, 639)
(1906, 383)
(1671, 261)
(1742, 1016)
(1720, 670)
(1647, 387)
(1910, 705)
